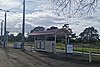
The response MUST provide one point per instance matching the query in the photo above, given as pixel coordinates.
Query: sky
(40, 13)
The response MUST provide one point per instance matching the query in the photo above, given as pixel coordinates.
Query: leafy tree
(30, 38)
(37, 29)
(89, 35)
(18, 37)
(11, 37)
(52, 28)
(66, 26)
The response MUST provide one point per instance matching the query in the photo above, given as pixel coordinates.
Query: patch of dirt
(16, 58)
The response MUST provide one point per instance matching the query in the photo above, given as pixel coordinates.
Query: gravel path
(16, 58)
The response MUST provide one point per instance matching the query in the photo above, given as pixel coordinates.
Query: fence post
(90, 56)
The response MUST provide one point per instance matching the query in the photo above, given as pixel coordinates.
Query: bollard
(90, 56)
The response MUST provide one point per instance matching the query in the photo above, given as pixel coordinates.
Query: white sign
(69, 48)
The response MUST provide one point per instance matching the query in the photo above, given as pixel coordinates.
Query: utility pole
(1, 30)
(5, 30)
(23, 26)
(5, 27)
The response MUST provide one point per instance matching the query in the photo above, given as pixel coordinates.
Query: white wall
(48, 46)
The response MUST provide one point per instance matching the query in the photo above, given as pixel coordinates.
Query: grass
(10, 44)
(93, 50)
(86, 48)
(78, 47)
(60, 45)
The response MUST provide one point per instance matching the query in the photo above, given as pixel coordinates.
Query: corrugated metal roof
(47, 32)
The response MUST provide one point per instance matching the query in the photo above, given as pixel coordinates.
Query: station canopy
(62, 31)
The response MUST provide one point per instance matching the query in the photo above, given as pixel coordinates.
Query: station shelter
(46, 40)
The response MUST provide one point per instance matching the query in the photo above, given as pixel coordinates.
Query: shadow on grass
(62, 57)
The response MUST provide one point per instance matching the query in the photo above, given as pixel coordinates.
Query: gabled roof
(48, 32)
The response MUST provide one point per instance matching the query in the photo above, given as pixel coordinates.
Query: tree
(11, 37)
(37, 29)
(18, 37)
(30, 38)
(52, 28)
(71, 8)
(66, 27)
(89, 35)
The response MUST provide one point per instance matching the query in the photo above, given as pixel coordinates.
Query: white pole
(90, 57)
(66, 44)
(35, 43)
(55, 44)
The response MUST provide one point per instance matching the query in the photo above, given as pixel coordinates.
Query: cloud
(79, 24)
(28, 26)
(47, 19)
(9, 4)
(39, 13)
(35, 19)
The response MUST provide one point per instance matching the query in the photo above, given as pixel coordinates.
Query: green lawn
(93, 50)
(79, 47)
(10, 44)
(60, 46)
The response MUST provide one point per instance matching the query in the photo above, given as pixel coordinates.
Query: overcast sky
(40, 13)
